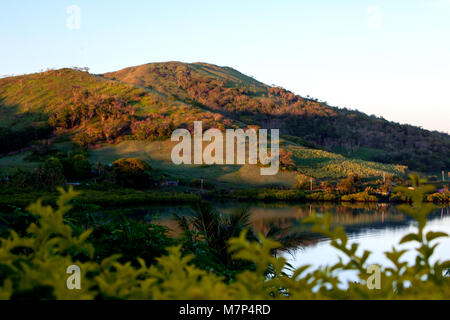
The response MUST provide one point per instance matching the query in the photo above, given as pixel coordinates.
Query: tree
(77, 167)
(82, 139)
(132, 173)
(217, 229)
(326, 186)
(349, 184)
(286, 161)
(51, 174)
(303, 182)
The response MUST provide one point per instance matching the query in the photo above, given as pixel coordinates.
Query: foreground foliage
(34, 265)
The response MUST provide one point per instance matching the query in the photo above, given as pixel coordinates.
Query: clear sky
(388, 58)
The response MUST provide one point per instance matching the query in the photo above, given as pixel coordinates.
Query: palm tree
(217, 229)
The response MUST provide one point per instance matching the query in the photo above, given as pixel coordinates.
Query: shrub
(132, 239)
(51, 174)
(439, 197)
(286, 161)
(349, 184)
(22, 179)
(399, 197)
(84, 140)
(34, 266)
(322, 196)
(132, 173)
(265, 194)
(359, 197)
(77, 167)
(132, 165)
(303, 183)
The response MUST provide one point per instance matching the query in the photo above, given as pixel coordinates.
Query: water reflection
(377, 227)
(359, 220)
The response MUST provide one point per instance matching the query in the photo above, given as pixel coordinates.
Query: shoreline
(11, 199)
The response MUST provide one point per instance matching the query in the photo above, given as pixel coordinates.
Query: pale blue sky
(389, 58)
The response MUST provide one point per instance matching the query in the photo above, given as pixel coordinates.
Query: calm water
(377, 227)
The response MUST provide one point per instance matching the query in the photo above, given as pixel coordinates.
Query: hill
(89, 108)
(130, 112)
(349, 132)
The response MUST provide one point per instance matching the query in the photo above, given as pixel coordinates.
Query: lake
(377, 227)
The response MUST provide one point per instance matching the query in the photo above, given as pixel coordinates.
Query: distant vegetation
(135, 177)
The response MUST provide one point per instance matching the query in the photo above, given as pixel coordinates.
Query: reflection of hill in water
(356, 218)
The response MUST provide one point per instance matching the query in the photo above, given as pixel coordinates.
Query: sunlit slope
(174, 95)
(314, 163)
(32, 99)
(174, 78)
(35, 97)
(53, 90)
(348, 132)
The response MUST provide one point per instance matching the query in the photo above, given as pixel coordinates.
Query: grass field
(310, 162)
(11, 163)
(157, 154)
(326, 165)
(315, 163)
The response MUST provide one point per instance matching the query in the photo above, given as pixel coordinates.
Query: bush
(34, 266)
(84, 140)
(22, 179)
(439, 197)
(322, 196)
(349, 184)
(265, 194)
(127, 197)
(132, 239)
(77, 167)
(399, 197)
(132, 173)
(359, 197)
(51, 174)
(303, 183)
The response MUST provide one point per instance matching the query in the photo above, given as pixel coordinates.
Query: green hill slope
(314, 163)
(90, 109)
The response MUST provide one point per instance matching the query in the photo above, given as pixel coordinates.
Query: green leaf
(434, 235)
(410, 237)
